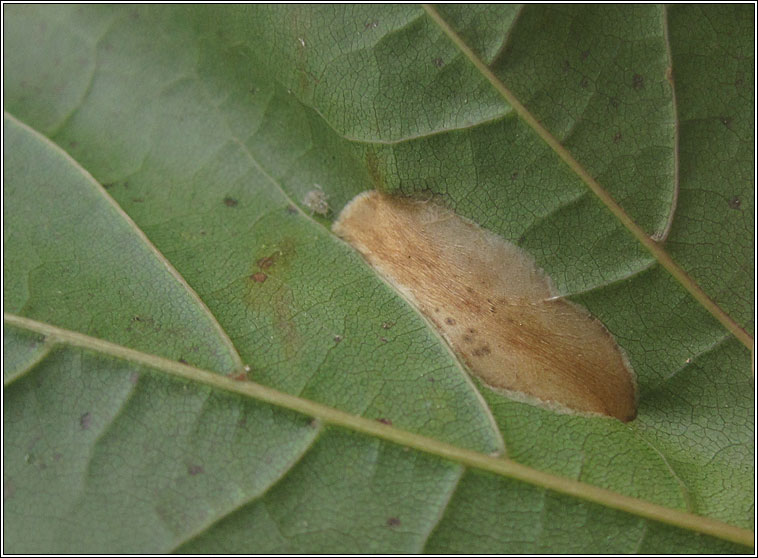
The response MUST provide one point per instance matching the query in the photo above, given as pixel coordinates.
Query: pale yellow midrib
(328, 415)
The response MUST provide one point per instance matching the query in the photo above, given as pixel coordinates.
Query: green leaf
(194, 363)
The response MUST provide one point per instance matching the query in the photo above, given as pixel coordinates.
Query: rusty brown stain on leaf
(497, 310)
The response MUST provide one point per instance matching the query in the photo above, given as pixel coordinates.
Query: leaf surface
(157, 164)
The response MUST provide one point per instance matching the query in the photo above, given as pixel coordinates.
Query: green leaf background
(156, 159)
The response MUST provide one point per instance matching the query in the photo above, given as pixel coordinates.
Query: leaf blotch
(230, 202)
(502, 316)
(259, 277)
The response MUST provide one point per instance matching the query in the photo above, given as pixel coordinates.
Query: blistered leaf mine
(498, 311)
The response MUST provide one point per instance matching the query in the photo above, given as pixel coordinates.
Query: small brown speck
(138, 200)
(85, 421)
(638, 82)
(385, 421)
(471, 330)
(195, 470)
(393, 522)
(383, 339)
(514, 175)
(259, 277)
(484, 350)
(314, 423)
(617, 137)
(337, 338)
(240, 377)
(585, 54)
(439, 62)
(735, 202)
(450, 321)
(230, 202)
(183, 361)
(726, 121)
(370, 25)
(291, 209)
(467, 338)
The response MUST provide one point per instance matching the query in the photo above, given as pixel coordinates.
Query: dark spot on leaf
(584, 83)
(74, 144)
(291, 209)
(85, 421)
(735, 202)
(484, 350)
(253, 90)
(138, 200)
(383, 339)
(467, 338)
(617, 137)
(385, 421)
(514, 175)
(183, 361)
(438, 62)
(726, 121)
(229, 202)
(393, 522)
(638, 82)
(585, 54)
(370, 25)
(337, 338)
(259, 277)
(195, 470)
(472, 331)
(109, 185)
(450, 321)
(57, 456)
(239, 377)
(314, 423)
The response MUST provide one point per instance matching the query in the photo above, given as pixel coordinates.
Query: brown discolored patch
(259, 277)
(393, 522)
(735, 202)
(638, 82)
(195, 470)
(230, 202)
(510, 327)
(439, 62)
(85, 421)
(450, 321)
(337, 338)
(374, 172)
(183, 361)
(291, 209)
(385, 421)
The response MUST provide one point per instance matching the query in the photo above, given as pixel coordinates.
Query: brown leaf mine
(497, 310)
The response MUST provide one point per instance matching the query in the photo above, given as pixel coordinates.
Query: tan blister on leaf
(492, 304)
